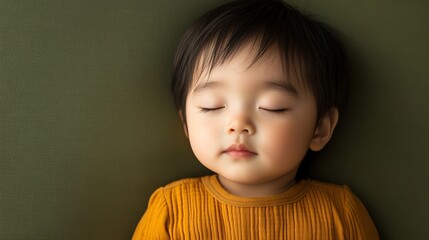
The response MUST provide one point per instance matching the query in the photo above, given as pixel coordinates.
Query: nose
(241, 124)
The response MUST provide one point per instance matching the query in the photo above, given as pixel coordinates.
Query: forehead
(269, 64)
(240, 63)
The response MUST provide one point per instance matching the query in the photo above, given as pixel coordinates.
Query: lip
(239, 150)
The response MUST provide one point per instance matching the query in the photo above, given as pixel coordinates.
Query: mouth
(239, 150)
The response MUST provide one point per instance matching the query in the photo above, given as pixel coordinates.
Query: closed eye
(278, 110)
(205, 110)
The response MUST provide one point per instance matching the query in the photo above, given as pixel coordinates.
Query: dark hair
(311, 53)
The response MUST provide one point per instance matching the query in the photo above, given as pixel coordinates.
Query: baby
(257, 85)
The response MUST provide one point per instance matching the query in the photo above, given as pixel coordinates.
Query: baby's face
(246, 124)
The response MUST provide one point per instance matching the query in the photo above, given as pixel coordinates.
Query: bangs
(223, 47)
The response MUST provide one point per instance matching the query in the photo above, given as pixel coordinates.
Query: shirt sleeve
(153, 224)
(358, 221)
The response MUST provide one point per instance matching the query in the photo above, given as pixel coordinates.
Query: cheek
(287, 140)
(282, 137)
(202, 135)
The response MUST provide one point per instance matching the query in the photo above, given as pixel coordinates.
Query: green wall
(88, 129)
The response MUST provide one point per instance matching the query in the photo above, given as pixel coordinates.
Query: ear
(185, 127)
(324, 130)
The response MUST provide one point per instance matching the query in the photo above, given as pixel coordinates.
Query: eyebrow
(207, 85)
(283, 86)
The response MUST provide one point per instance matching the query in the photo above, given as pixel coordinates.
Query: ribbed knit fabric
(200, 208)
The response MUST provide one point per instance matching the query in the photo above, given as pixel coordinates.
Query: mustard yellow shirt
(200, 208)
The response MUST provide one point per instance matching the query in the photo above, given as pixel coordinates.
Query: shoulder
(325, 185)
(350, 208)
(166, 197)
(186, 182)
(334, 194)
(327, 188)
(184, 188)
(176, 187)
(342, 192)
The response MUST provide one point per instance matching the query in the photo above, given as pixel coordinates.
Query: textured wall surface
(88, 129)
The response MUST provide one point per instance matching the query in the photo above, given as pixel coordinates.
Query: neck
(262, 189)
